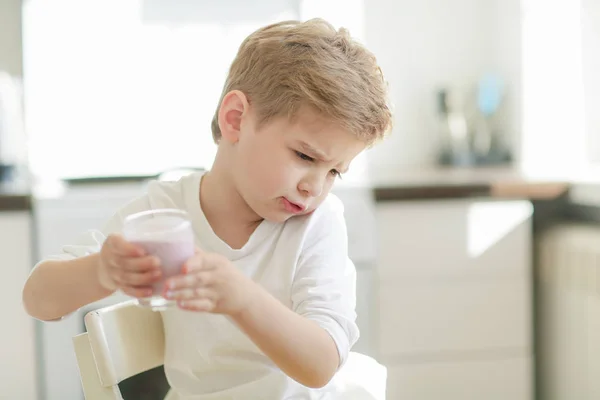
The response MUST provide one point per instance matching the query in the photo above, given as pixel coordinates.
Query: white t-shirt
(303, 262)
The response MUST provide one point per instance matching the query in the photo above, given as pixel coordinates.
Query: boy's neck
(224, 208)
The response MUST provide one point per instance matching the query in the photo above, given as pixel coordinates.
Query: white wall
(10, 37)
(590, 15)
(505, 19)
(12, 138)
(423, 44)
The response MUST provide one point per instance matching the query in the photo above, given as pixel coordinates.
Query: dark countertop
(448, 183)
(15, 197)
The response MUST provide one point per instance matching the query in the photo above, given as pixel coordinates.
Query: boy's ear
(233, 107)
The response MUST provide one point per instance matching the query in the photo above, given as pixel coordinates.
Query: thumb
(195, 262)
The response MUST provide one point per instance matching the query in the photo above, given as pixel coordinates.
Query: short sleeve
(324, 286)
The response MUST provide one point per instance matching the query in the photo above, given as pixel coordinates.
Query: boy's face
(287, 168)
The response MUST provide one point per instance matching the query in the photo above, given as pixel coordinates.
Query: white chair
(124, 340)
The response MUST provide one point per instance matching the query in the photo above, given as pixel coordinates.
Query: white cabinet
(453, 299)
(17, 335)
(503, 379)
(462, 316)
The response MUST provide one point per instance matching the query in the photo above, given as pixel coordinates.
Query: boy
(271, 290)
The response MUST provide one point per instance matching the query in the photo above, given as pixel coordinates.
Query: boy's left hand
(211, 283)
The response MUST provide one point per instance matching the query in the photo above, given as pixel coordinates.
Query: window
(553, 118)
(561, 84)
(129, 87)
(590, 20)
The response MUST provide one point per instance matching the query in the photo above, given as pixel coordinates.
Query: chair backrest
(122, 340)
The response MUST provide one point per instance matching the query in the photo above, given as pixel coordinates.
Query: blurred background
(475, 227)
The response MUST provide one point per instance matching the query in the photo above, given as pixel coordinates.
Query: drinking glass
(166, 234)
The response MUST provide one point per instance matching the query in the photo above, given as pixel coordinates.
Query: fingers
(122, 267)
(193, 291)
(202, 305)
(119, 245)
(139, 272)
(190, 280)
(138, 264)
(148, 278)
(193, 264)
(202, 261)
(136, 283)
(191, 294)
(128, 266)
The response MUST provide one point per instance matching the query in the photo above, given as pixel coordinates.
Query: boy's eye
(336, 173)
(304, 156)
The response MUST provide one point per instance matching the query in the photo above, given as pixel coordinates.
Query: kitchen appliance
(468, 123)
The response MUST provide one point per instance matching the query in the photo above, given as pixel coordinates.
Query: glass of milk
(166, 234)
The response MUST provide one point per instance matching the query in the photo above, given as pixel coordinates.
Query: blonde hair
(288, 65)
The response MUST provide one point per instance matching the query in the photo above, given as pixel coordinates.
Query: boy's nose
(311, 186)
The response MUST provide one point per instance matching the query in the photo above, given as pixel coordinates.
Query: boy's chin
(275, 214)
(277, 218)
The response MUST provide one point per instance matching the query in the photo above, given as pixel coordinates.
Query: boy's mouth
(292, 207)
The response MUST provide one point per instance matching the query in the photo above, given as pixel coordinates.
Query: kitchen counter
(445, 183)
(15, 197)
(406, 184)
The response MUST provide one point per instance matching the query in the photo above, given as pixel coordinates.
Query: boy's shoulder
(174, 193)
(325, 218)
(331, 206)
(322, 231)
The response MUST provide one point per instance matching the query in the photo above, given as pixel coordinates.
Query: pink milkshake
(167, 234)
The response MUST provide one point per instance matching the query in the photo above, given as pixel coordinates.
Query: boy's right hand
(125, 266)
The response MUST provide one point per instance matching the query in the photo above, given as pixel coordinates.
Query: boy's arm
(58, 287)
(309, 339)
(64, 283)
(301, 348)
(312, 340)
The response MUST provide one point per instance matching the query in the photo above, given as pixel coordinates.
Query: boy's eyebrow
(313, 151)
(316, 153)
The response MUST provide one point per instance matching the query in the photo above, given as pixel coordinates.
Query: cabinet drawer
(462, 316)
(476, 380)
(17, 347)
(450, 238)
